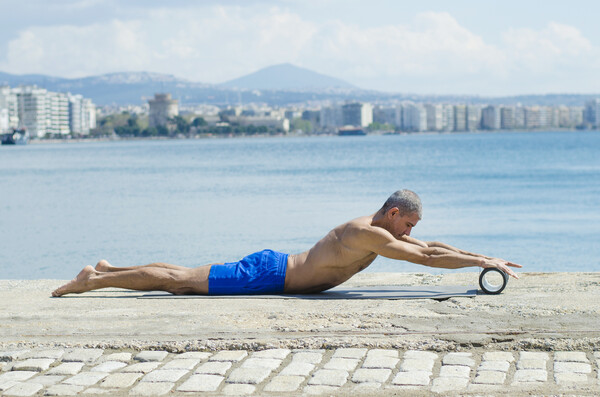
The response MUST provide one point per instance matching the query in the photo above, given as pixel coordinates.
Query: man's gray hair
(407, 201)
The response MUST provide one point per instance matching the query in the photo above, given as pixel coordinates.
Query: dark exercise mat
(378, 292)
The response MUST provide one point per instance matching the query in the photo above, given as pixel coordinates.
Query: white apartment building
(33, 110)
(435, 116)
(58, 113)
(473, 117)
(460, 117)
(9, 110)
(592, 113)
(490, 117)
(414, 117)
(330, 117)
(357, 114)
(82, 115)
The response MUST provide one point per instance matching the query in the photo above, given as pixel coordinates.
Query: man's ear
(393, 212)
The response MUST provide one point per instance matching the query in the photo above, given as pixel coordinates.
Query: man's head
(401, 211)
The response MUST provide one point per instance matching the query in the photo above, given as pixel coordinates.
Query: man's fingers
(513, 264)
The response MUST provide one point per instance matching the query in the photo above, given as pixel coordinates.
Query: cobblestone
(346, 371)
(201, 383)
(148, 355)
(88, 356)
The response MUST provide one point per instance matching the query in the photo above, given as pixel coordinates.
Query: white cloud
(433, 53)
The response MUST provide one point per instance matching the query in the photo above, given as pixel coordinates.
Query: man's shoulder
(361, 228)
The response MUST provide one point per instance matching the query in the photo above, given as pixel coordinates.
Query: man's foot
(78, 285)
(104, 266)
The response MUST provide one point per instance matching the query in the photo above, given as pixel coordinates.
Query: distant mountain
(287, 77)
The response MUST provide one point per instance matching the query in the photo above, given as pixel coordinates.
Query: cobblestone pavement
(342, 371)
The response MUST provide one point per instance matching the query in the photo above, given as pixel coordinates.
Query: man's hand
(501, 264)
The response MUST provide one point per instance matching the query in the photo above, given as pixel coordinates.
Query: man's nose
(407, 232)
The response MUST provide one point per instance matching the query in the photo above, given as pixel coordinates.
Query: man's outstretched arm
(413, 250)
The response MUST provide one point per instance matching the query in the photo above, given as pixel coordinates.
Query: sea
(529, 197)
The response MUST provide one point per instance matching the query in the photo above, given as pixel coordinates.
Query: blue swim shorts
(260, 273)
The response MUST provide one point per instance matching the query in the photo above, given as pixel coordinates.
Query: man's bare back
(343, 252)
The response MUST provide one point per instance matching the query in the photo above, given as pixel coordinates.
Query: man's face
(402, 225)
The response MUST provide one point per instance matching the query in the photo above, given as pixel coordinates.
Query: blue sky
(426, 47)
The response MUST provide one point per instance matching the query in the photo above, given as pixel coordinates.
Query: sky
(457, 47)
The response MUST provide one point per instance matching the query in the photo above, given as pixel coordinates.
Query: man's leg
(104, 266)
(179, 280)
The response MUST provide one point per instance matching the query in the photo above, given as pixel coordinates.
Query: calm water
(533, 198)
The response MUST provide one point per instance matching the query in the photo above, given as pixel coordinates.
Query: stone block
(380, 362)
(86, 378)
(575, 367)
(33, 364)
(45, 353)
(278, 354)
(164, 375)
(251, 376)
(530, 375)
(48, 380)
(270, 363)
(382, 353)
(151, 388)
(308, 357)
(454, 371)
(498, 356)
(16, 376)
(229, 355)
(123, 357)
(533, 356)
(345, 364)
(238, 389)
(458, 359)
(297, 369)
(420, 355)
(490, 377)
(97, 391)
(88, 356)
(23, 389)
(416, 364)
(11, 355)
(63, 390)
(501, 366)
(372, 375)
(570, 377)
(284, 383)
(329, 377)
(183, 363)
(66, 369)
(214, 368)
(412, 378)
(579, 357)
(195, 355)
(531, 364)
(120, 380)
(366, 387)
(318, 390)
(441, 385)
(597, 355)
(143, 368)
(109, 366)
(149, 356)
(201, 383)
(350, 353)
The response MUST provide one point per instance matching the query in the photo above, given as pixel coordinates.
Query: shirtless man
(343, 252)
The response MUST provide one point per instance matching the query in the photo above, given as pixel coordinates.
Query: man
(343, 252)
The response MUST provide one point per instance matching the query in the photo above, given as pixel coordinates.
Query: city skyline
(433, 47)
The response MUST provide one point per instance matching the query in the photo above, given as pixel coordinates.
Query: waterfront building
(414, 117)
(490, 117)
(460, 117)
(9, 109)
(276, 122)
(473, 117)
(58, 114)
(507, 117)
(162, 108)
(312, 116)
(435, 116)
(385, 115)
(592, 113)
(536, 117)
(519, 117)
(82, 115)
(33, 110)
(330, 118)
(357, 114)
